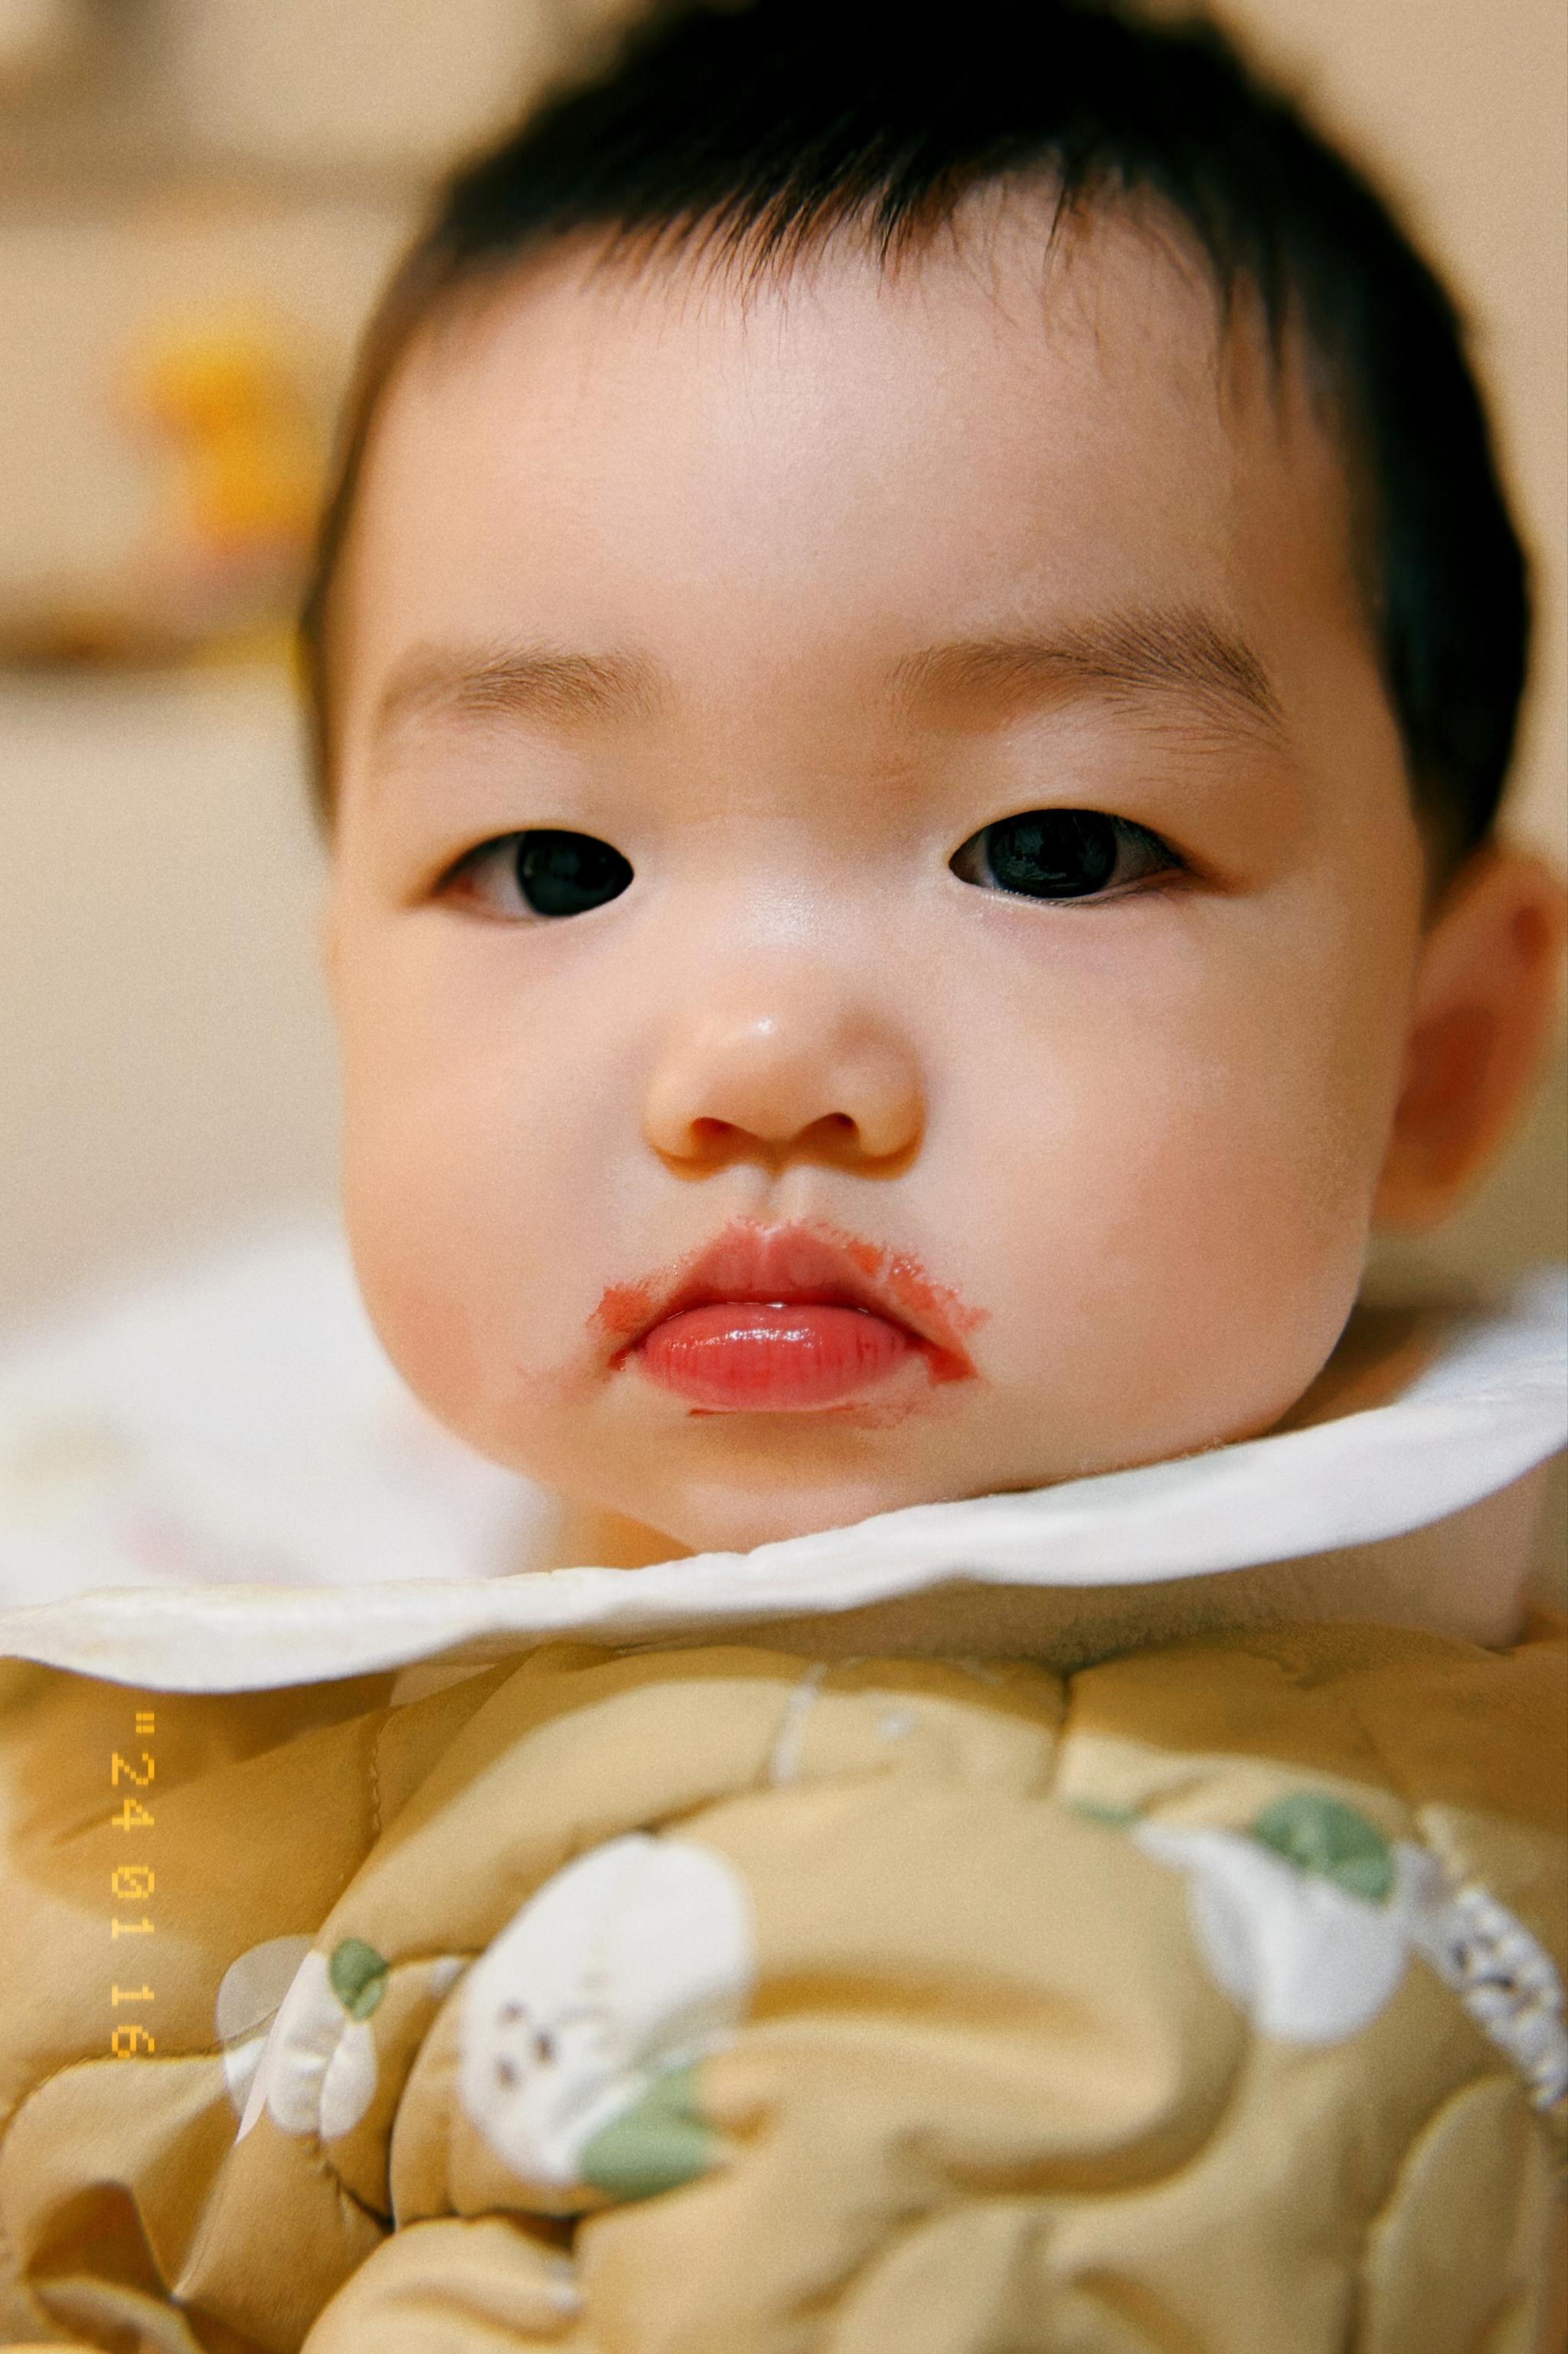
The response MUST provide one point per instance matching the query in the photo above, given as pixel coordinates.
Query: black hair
(764, 129)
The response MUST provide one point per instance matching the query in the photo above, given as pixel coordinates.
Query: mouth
(786, 1319)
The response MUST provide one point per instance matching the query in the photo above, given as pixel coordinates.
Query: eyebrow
(1181, 652)
(536, 683)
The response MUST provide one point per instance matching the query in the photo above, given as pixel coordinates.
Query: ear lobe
(1485, 994)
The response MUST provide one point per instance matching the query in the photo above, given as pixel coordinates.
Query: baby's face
(766, 1104)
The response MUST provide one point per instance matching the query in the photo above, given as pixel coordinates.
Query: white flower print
(1308, 1918)
(249, 1999)
(1308, 1961)
(317, 2073)
(583, 2020)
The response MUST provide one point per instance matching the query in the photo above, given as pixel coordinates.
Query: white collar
(1491, 1404)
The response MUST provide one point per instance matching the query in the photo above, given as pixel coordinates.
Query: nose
(780, 1074)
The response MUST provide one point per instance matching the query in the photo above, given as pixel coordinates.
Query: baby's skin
(885, 953)
(883, 944)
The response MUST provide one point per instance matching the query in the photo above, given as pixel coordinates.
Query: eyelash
(558, 849)
(1048, 841)
(1054, 857)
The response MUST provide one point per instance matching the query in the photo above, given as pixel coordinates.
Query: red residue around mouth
(786, 1319)
(907, 1281)
(626, 1308)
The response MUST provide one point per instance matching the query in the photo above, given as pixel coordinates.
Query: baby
(912, 663)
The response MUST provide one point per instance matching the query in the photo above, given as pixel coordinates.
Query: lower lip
(739, 1356)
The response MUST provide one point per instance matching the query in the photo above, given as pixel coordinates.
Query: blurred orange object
(227, 399)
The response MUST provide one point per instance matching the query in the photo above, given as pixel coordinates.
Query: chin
(724, 1517)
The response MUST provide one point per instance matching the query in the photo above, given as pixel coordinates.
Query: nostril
(708, 1135)
(765, 1087)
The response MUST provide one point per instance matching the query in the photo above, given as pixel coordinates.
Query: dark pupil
(1051, 854)
(566, 874)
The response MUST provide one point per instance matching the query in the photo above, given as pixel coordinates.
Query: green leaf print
(1101, 1810)
(358, 1975)
(660, 2142)
(1324, 1836)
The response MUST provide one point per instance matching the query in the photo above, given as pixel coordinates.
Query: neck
(579, 1536)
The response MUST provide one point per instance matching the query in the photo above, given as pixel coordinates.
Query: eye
(543, 873)
(1062, 855)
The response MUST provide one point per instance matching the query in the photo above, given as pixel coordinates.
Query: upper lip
(794, 1266)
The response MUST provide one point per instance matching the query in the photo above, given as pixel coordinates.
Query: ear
(1486, 990)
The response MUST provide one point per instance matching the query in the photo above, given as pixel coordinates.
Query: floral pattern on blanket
(583, 2022)
(1308, 1919)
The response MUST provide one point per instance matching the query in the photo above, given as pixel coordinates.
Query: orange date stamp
(133, 1884)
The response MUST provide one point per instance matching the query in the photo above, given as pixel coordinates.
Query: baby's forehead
(1113, 291)
(669, 457)
(1109, 329)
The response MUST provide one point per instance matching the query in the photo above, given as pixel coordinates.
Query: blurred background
(198, 199)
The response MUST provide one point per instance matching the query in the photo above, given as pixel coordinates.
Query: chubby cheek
(474, 1210)
(1180, 1214)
